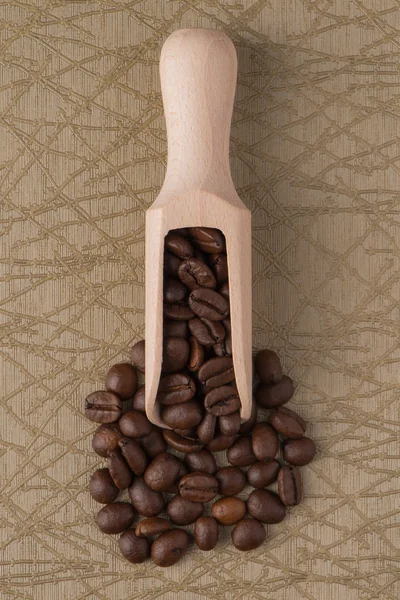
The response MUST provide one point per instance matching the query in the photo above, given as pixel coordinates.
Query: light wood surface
(198, 77)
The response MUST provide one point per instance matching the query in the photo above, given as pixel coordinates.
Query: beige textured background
(315, 156)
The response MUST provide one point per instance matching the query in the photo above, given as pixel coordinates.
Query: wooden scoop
(198, 78)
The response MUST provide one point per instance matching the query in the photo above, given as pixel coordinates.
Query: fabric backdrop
(315, 156)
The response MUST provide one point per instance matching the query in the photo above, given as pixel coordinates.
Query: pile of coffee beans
(173, 472)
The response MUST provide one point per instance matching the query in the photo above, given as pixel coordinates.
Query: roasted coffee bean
(115, 518)
(175, 389)
(194, 273)
(229, 424)
(224, 348)
(184, 512)
(206, 533)
(138, 355)
(247, 426)
(189, 434)
(154, 443)
(134, 455)
(119, 470)
(175, 329)
(174, 488)
(222, 401)
(262, 473)
(202, 460)
(287, 422)
(299, 452)
(138, 401)
(206, 429)
(196, 354)
(241, 453)
(268, 366)
(175, 354)
(181, 443)
(207, 332)
(272, 395)
(228, 511)
(121, 379)
(224, 290)
(219, 265)
(152, 526)
(103, 407)
(162, 472)
(231, 481)
(266, 506)
(265, 441)
(290, 486)
(208, 304)
(178, 312)
(216, 372)
(171, 264)
(146, 501)
(134, 548)
(174, 291)
(106, 439)
(248, 534)
(178, 245)
(198, 487)
(102, 488)
(221, 442)
(182, 416)
(169, 547)
(135, 424)
(208, 239)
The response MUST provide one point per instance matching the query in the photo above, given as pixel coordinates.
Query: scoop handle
(198, 70)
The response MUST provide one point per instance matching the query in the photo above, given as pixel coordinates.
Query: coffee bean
(175, 389)
(184, 512)
(221, 442)
(196, 354)
(224, 348)
(274, 394)
(229, 424)
(290, 486)
(135, 424)
(146, 501)
(231, 481)
(134, 548)
(138, 355)
(102, 488)
(206, 533)
(175, 329)
(207, 239)
(180, 443)
(262, 474)
(182, 416)
(106, 439)
(202, 460)
(162, 472)
(206, 429)
(152, 526)
(287, 422)
(208, 304)
(178, 312)
(103, 407)
(154, 443)
(247, 426)
(194, 273)
(174, 291)
(248, 534)
(115, 518)
(189, 434)
(299, 452)
(207, 332)
(216, 372)
(178, 245)
(134, 455)
(174, 488)
(265, 441)
(268, 366)
(171, 264)
(241, 453)
(219, 265)
(228, 511)
(175, 354)
(198, 487)
(222, 401)
(138, 402)
(266, 506)
(119, 470)
(169, 547)
(224, 290)
(121, 379)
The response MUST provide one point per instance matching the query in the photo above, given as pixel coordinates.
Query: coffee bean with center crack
(138, 355)
(201, 460)
(102, 487)
(262, 474)
(207, 239)
(103, 407)
(196, 355)
(119, 470)
(106, 439)
(207, 332)
(134, 548)
(115, 518)
(135, 424)
(175, 388)
(266, 506)
(154, 443)
(184, 512)
(182, 416)
(138, 401)
(231, 481)
(178, 245)
(216, 372)
(175, 354)
(134, 455)
(287, 422)
(228, 511)
(177, 311)
(241, 453)
(208, 304)
(169, 548)
(162, 472)
(222, 401)
(229, 424)
(198, 487)
(221, 442)
(146, 501)
(299, 452)
(271, 395)
(268, 366)
(181, 443)
(152, 526)
(290, 486)
(206, 533)
(248, 534)
(121, 379)
(194, 273)
(265, 441)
